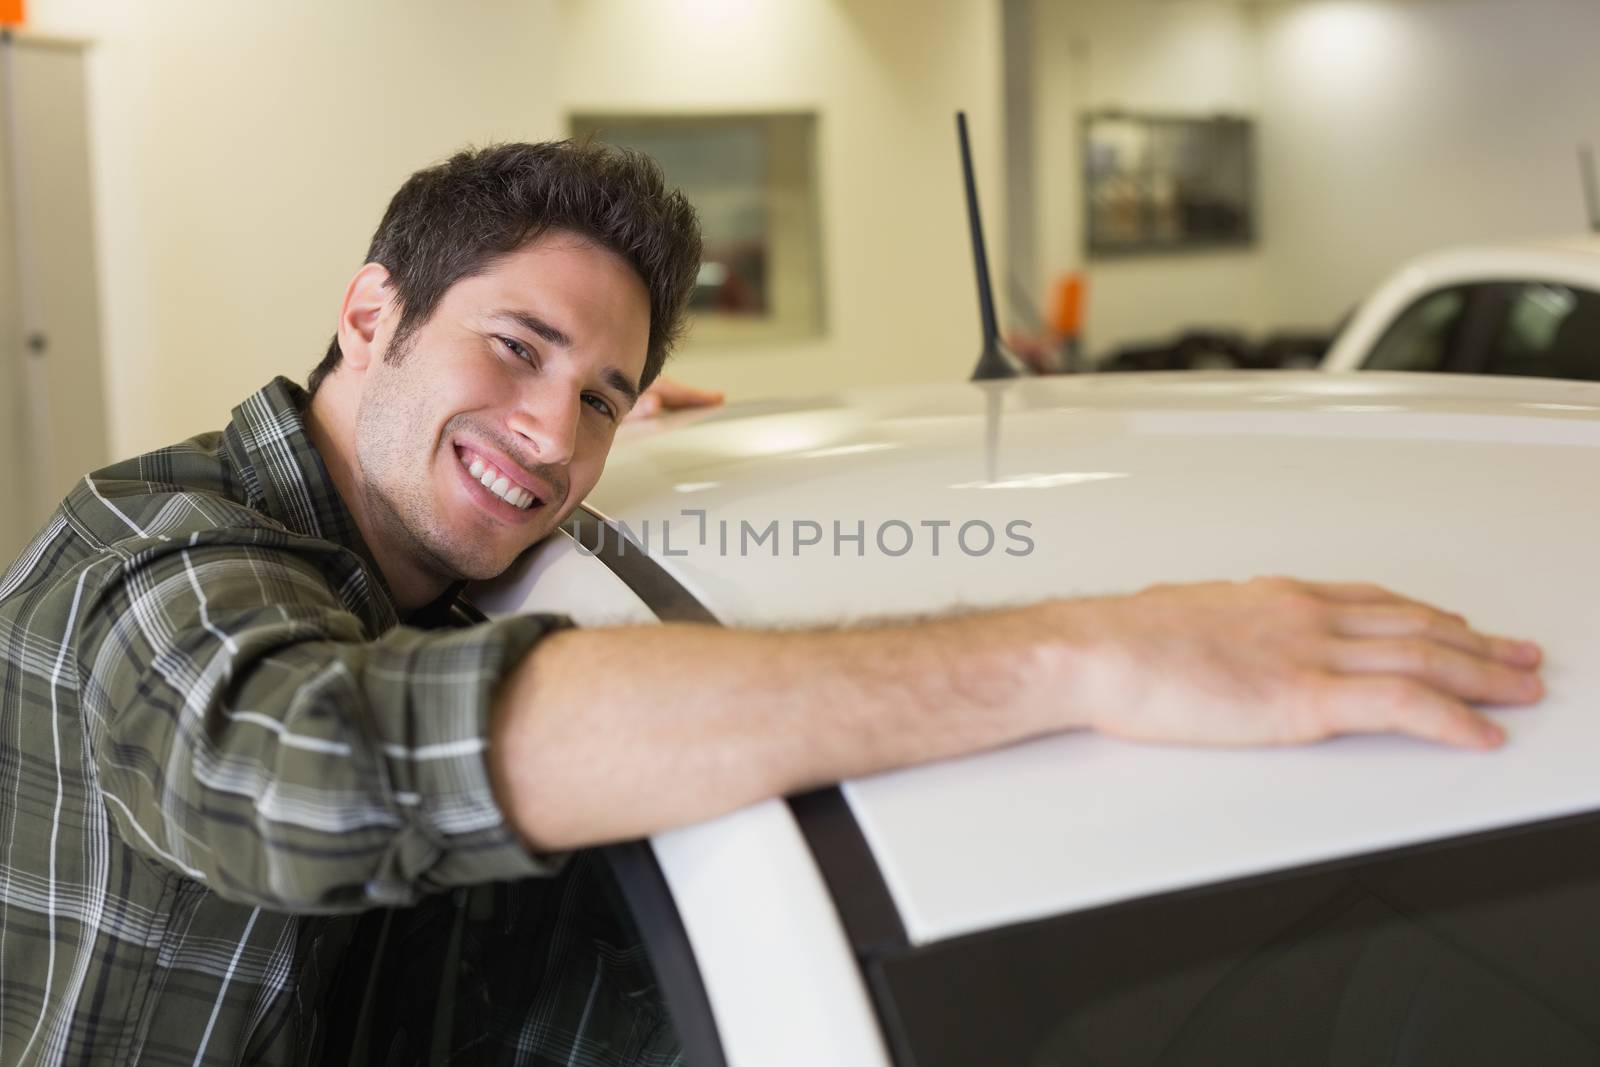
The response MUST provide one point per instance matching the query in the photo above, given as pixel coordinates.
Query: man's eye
(599, 404)
(515, 347)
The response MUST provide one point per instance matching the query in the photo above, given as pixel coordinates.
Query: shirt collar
(283, 473)
(285, 477)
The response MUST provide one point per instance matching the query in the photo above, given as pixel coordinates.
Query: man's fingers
(1458, 673)
(689, 396)
(675, 394)
(1403, 705)
(1420, 621)
(1379, 612)
(1405, 620)
(1370, 593)
(668, 394)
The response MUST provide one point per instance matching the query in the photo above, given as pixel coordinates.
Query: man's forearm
(608, 734)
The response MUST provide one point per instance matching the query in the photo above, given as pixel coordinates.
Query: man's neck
(331, 424)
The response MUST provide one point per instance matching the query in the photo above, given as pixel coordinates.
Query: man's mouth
(496, 482)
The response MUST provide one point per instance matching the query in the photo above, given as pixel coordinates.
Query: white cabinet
(52, 394)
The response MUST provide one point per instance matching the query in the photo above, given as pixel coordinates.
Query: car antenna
(992, 363)
(1591, 185)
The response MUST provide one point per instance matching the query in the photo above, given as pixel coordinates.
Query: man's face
(518, 380)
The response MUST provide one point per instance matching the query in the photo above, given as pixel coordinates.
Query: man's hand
(1277, 661)
(667, 394)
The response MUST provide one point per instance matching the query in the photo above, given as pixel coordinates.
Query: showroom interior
(220, 167)
(1209, 687)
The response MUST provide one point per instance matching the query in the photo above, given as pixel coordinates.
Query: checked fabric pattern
(237, 794)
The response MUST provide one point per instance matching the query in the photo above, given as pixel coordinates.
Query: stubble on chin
(395, 497)
(418, 546)
(411, 524)
(399, 490)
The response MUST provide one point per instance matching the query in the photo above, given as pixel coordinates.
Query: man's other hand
(668, 394)
(1279, 661)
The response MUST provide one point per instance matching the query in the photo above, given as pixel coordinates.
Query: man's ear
(366, 300)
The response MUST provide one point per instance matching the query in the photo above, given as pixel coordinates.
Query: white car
(1076, 900)
(1529, 309)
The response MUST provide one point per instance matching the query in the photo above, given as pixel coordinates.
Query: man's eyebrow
(535, 325)
(619, 381)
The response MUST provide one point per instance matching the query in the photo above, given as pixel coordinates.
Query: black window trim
(849, 870)
(633, 863)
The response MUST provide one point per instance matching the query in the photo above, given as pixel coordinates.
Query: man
(256, 753)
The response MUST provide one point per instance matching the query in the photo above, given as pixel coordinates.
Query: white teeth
(498, 484)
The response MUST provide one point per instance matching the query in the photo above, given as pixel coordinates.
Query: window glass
(1550, 331)
(539, 971)
(1479, 951)
(1423, 337)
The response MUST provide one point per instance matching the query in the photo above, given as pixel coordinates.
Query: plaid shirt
(234, 791)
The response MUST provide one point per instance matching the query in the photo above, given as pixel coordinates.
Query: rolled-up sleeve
(249, 732)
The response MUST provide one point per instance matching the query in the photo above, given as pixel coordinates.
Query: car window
(1422, 338)
(539, 970)
(1485, 950)
(1549, 331)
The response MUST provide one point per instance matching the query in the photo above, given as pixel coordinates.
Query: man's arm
(251, 732)
(601, 735)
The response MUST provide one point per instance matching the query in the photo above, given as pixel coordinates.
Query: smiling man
(275, 794)
(512, 390)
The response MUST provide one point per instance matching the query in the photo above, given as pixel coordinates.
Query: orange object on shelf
(13, 13)
(1066, 305)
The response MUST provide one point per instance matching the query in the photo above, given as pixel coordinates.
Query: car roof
(1474, 493)
(1583, 243)
(1573, 260)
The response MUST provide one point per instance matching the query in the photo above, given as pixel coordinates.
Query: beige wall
(244, 151)
(1391, 129)
(1383, 129)
(243, 154)
(1187, 57)
(885, 78)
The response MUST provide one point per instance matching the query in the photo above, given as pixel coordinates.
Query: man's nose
(548, 422)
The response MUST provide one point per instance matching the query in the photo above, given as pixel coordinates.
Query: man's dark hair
(453, 220)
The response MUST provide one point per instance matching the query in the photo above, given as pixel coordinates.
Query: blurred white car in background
(1075, 900)
(1530, 310)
